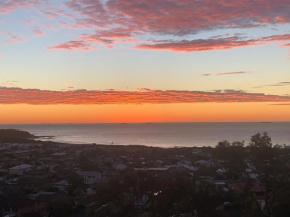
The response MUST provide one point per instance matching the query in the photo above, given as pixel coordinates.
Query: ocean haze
(158, 134)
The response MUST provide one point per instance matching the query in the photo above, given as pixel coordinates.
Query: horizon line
(145, 122)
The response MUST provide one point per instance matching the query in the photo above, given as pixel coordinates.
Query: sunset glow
(111, 61)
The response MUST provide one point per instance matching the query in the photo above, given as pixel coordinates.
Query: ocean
(158, 134)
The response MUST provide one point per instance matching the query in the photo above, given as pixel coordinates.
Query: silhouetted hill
(11, 135)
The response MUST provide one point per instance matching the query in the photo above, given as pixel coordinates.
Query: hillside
(11, 135)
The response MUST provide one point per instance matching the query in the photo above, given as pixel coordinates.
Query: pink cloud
(29, 22)
(53, 13)
(210, 44)
(142, 96)
(114, 21)
(175, 17)
(96, 39)
(48, 26)
(178, 18)
(38, 32)
(274, 38)
(73, 45)
(8, 6)
(199, 45)
(107, 36)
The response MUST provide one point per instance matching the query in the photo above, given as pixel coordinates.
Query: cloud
(142, 96)
(38, 32)
(1, 55)
(107, 37)
(29, 22)
(211, 44)
(113, 20)
(96, 39)
(53, 13)
(232, 73)
(9, 84)
(179, 18)
(7, 6)
(227, 73)
(48, 26)
(199, 45)
(14, 39)
(280, 84)
(73, 45)
(285, 37)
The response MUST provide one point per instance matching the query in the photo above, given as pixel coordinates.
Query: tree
(223, 144)
(77, 184)
(60, 208)
(261, 141)
(238, 144)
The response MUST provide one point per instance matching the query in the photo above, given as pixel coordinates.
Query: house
(20, 169)
(58, 154)
(197, 151)
(221, 171)
(119, 167)
(188, 167)
(89, 175)
(41, 174)
(62, 185)
(90, 191)
(220, 185)
(253, 176)
(257, 190)
(204, 163)
(153, 170)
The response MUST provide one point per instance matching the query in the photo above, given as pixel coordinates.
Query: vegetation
(11, 135)
(234, 179)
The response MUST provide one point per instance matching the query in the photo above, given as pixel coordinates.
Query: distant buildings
(20, 169)
(89, 175)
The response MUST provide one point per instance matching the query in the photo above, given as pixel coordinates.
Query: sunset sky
(104, 61)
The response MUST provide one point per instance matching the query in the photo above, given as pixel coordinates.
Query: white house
(221, 171)
(20, 169)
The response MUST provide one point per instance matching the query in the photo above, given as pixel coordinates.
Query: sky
(107, 61)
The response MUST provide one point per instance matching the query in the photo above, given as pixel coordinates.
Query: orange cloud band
(142, 96)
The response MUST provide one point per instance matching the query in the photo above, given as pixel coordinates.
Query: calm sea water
(158, 134)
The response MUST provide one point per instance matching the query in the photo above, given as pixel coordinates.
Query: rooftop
(21, 166)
